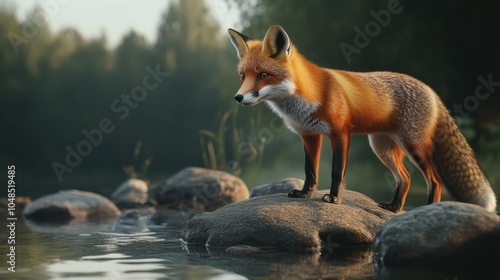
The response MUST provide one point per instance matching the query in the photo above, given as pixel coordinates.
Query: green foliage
(138, 169)
(213, 145)
(229, 149)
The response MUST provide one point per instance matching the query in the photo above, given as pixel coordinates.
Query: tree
(190, 48)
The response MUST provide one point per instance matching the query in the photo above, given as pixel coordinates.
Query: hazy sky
(115, 17)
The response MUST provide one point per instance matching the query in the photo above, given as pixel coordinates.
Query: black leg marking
(340, 147)
(309, 183)
(312, 147)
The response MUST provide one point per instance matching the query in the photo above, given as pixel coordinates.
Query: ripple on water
(109, 266)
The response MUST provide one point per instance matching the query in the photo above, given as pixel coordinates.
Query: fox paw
(389, 207)
(330, 199)
(297, 194)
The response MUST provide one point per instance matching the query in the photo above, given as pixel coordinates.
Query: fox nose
(238, 98)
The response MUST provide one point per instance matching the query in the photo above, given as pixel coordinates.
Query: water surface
(96, 250)
(108, 250)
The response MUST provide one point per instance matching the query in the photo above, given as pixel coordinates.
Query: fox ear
(239, 41)
(276, 43)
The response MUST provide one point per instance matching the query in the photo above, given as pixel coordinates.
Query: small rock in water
(66, 205)
(282, 186)
(136, 216)
(170, 217)
(199, 188)
(131, 194)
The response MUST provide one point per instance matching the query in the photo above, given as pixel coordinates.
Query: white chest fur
(297, 114)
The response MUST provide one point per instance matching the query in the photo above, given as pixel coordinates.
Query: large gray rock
(282, 186)
(66, 205)
(440, 234)
(199, 188)
(279, 222)
(130, 194)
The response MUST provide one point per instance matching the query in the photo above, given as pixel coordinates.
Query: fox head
(263, 71)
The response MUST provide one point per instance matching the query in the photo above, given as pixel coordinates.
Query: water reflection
(355, 262)
(110, 266)
(74, 226)
(96, 250)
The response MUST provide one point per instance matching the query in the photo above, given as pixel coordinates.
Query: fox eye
(242, 76)
(263, 75)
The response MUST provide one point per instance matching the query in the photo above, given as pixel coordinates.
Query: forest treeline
(74, 111)
(61, 91)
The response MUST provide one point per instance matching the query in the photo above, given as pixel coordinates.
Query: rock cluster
(191, 191)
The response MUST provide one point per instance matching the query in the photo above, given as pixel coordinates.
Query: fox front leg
(340, 149)
(312, 149)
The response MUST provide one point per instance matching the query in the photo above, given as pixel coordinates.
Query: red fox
(401, 115)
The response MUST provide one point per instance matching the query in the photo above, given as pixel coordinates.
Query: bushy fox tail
(456, 164)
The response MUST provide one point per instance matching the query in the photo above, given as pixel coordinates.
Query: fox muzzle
(238, 97)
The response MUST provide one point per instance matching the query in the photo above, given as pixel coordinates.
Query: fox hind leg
(421, 155)
(392, 156)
